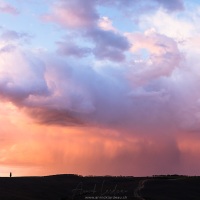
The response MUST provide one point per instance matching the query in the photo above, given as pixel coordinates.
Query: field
(64, 187)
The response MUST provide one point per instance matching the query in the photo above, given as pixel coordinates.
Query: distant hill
(70, 186)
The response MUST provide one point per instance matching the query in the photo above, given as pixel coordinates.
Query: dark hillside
(63, 187)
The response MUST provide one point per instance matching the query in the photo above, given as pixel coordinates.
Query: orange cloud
(28, 148)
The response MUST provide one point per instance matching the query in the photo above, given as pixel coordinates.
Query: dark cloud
(51, 117)
(71, 49)
(108, 45)
(171, 5)
(142, 5)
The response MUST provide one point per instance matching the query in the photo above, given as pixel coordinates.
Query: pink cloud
(163, 56)
(73, 14)
(6, 8)
(108, 44)
(83, 14)
(106, 24)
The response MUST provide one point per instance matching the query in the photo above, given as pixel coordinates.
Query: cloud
(56, 92)
(14, 85)
(106, 24)
(84, 14)
(163, 56)
(71, 49)
(144, 5)
(78, 15)
(10, 35)
(50, 116)
(109, 45)
(7, 8)
(119, 93)
(73, 14)
(171, 5)
(7, 48)
(81, 151)
(72, 92)
(170, 25)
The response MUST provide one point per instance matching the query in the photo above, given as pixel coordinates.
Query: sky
(99, 87)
